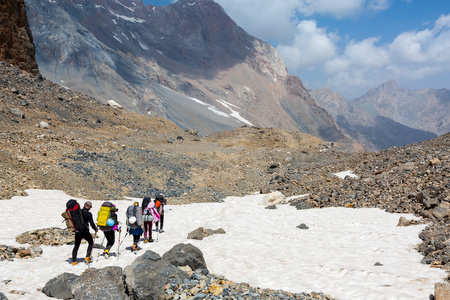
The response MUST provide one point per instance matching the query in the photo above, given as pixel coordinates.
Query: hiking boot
(150, 240)
(88, 260)
(74, 263)
(134, 248)
(145, 241)
(106, 252)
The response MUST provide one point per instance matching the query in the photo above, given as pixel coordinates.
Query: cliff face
(188, 62)
(16, 40)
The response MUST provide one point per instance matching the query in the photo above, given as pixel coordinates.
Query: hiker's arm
(91, 221)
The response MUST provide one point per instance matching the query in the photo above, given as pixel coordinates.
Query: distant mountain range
(188, 62)
(424, 109)
(375, 132)
(389, 115)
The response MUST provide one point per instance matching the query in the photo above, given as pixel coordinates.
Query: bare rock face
(188, 62)
(16, 40)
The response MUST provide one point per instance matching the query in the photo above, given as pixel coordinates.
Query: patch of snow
(143, 46)
(129, 19)
(345, 174)
(190, 4)
(99, 6)
(117, 38)
(336, 255)
(52, 1)
(234, 113)
(132, 9)
(79, 6)
(211, 108)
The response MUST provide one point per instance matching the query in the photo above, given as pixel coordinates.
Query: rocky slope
(424, 109)
(375, 132)
(16, 40)
(213, 77)
(54, 138)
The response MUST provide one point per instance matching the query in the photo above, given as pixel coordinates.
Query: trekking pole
(120, 244)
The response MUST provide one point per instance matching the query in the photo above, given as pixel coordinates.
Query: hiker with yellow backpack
(108, 223)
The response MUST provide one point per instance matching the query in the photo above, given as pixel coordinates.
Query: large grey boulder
(185, 255)
(60, 286)
(148, 274)
(106, 283)
(2, 296)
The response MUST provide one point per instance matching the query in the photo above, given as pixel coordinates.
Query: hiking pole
(120, 244)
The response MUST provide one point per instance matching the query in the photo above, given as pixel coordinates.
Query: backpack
(105, 213)
(73, 216)
(159, 204)
(144, 205)
(131, 212)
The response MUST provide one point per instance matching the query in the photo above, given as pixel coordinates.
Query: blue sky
(352, 45)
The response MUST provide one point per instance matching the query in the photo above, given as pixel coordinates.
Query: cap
(88, 203)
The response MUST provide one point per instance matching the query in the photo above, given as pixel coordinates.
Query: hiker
(108, 224)
(160, 201)
(134, 223)
(150, 216)
(145, 217)
(83, 233)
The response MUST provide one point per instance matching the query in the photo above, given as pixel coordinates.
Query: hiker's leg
(76, 246)
(150, 230)
(110, 239)
(146, 228)
(136, 239)
(88, 237)
(162, 222)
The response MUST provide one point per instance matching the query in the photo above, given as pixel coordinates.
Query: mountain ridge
(158, 72)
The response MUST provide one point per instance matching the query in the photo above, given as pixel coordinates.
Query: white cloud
(311, 46)
(264, 19)
(411, 56)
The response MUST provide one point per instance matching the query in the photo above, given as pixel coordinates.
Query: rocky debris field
(54, 138)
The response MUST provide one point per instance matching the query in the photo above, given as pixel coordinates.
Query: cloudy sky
(352, 45)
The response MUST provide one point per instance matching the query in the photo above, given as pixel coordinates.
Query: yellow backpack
(103, 215)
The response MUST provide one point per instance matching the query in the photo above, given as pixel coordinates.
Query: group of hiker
(139, 220)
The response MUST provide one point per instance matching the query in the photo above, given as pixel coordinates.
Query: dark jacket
(87, 217)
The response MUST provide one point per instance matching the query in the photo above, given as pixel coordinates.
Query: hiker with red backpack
(150, 216)
(82, 228)
(134, 224)
(108, 223)
(160, 202)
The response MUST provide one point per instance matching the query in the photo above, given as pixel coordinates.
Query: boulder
(3, 297)
(17, 112)
(303, 226)
(60, 286)
(114, 104)
(148, 274)
(440, 212)
(200, 233)
(106, 283)
(185, 255)
(442, 291)
(403, 222)
(274, 198)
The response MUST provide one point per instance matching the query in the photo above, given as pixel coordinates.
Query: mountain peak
(391, 84)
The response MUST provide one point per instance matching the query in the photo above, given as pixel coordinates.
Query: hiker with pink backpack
(150, 216)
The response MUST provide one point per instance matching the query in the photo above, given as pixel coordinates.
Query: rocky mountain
(16, 40)
(188, 62)
(425, 109)
(375, 132)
